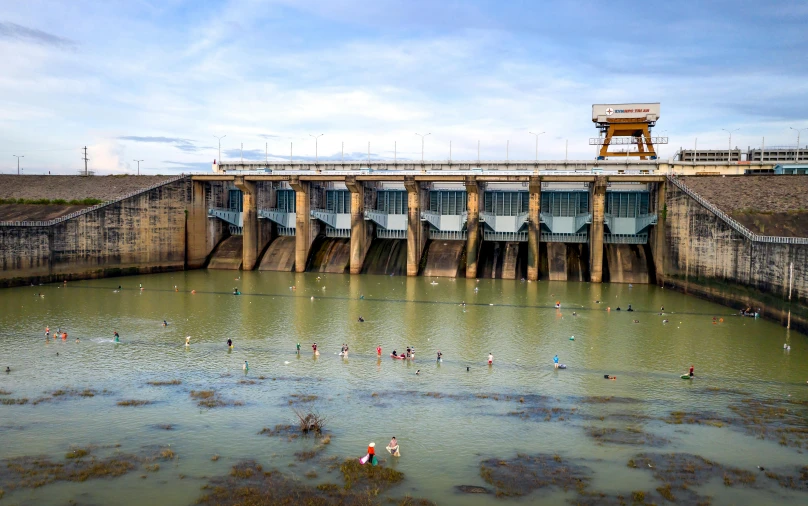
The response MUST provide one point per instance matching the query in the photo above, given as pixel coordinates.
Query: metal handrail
(74, 214)
(731, 222)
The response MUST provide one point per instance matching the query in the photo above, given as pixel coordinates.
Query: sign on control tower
(626, 125)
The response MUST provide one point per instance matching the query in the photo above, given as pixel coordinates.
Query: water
(443, 439)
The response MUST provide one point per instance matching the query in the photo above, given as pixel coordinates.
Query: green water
(443, 439)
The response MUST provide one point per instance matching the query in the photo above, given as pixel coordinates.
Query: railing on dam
(90, 209)
(731, 222)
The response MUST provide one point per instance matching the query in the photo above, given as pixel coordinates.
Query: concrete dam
(620, 226)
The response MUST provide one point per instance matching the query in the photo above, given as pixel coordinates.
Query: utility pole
(220, 146)
(86, 173)
(18, 162)
(422, 145)
(138, 166)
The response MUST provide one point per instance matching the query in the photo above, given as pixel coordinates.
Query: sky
(157, 80)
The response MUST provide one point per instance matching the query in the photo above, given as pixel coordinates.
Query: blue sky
(156, 80)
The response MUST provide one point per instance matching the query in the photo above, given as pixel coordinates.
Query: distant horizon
(160, 81)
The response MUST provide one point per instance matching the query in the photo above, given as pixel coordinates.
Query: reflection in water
(496, 412)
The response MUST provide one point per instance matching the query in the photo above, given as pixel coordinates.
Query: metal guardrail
(90, 209)
(731, 222)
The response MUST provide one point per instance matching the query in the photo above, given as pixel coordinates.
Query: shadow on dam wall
(386, 257)
(500, 259)
(279, 256)
(628, 263)
(444, 259)
(564, 261)
(228, 254)
(329, 254)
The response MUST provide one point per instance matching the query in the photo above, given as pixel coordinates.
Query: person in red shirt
(691, 371)
(372, 453)
(379, 350)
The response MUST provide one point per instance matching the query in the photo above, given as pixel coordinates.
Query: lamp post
(729, 144)
(18, 162)
(422, 144)
(537, 143)
(220, 146)
(797, 154)
(316, 156)
(138, 166)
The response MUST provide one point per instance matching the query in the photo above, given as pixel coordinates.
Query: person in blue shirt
(555, 361)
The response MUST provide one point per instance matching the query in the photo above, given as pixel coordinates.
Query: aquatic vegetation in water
(4, 392)
(525, 473)
(69, 393)
(11, 402)
(248, 484)
(798, 481)
(164, 383)
(296, 398)
(211, 399)
(164, 426)
(679, 473)
(134, 402)
(627, 436)
(472, 489)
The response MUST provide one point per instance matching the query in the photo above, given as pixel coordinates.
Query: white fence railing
(733, 223)
(90, 209)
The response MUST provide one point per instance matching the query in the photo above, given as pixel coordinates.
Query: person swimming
(629, 308)
(606, 376)
(361, 319)
(379, 350)
(8, 370)
(117, 337)
(440, 356)
(618, 308)
(236, 292)
(394, 353)
(165, 323)
(229, 343)
(418, 372)
(246, 366)
(188, 341)
(490, 358)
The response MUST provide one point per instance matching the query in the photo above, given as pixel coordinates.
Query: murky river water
(473, 412)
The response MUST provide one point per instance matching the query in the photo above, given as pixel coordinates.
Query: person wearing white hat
(372, 453)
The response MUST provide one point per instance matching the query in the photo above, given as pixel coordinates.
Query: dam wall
(706, 256)
(140, 233)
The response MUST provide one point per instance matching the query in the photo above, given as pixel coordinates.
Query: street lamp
(18, 162)
(729, 145)
(316, 159)
(537, 143)
(138, 166)
(797, 154)
(422, 144)
(220, 146)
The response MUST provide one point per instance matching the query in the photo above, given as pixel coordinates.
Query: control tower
(626, 125)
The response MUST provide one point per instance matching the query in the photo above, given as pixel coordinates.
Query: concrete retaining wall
(141, 234)
(706, 257)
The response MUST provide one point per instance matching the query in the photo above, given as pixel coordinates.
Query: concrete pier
(472, 226)
(533, 229)
(360, 242)
(596, 236)
(196, 242)
(416, 236)
(302, 222)
(659, 234)
(251, 246)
